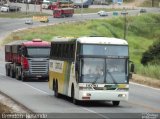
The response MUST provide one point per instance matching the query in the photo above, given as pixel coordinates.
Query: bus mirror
(76, 66)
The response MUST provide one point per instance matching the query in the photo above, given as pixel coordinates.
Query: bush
(152, 55)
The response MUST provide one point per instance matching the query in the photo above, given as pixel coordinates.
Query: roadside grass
(150, 70)
(21, 14)
(140, 35)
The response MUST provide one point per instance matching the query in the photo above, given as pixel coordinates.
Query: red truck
(63, 12)
(27, 59)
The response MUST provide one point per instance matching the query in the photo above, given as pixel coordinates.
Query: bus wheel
(53, 85)
(74, 101)
(115, 103)
(56, 94)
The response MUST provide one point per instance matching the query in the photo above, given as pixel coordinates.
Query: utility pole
(81, 7)
(125, 26)
(124, 13)
(152, 3)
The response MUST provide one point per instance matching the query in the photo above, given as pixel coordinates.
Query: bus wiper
(113, 79)
(97, 77)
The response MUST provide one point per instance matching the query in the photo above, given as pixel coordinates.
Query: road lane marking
(145, 106)
(101, 115)
(29, 86)
(35, 88)
(144, 86)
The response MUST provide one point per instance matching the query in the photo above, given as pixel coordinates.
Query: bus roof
(102, 40)
(93, 40)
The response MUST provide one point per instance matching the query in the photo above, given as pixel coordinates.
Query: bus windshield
(102, 70)
(104, 50)
(38, 52)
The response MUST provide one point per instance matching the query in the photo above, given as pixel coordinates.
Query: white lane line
(101, 115)
(144, 86)
(36, 89)
(30, 86)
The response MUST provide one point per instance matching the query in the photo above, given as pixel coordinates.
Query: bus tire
(74, 101)
(53, 85)
(56, 94)
(115, 103)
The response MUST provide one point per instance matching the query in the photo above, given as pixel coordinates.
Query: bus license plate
(38, 76)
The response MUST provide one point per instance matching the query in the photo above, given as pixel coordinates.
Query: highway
(37, 97)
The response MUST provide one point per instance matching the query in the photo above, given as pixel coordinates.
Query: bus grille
(38, 67)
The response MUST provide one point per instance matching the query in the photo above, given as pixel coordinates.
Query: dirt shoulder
(8, 105)
(146, 81)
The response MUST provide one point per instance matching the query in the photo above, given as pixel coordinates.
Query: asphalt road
(39, 98)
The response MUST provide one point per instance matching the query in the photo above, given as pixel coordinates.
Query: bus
(90, 69)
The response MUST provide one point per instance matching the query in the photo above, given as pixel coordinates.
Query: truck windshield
(103, 70)
(38, 52)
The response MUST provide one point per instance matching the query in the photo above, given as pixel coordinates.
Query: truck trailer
(27, 60)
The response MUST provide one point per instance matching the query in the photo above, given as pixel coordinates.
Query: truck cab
(30, 60)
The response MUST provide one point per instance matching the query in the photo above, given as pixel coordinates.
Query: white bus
(90, 68)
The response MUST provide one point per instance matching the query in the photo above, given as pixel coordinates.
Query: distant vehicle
(14, 8)
(124, 13)
(41, 18)
(45, 5)
(27, 59)
(79, 3)
(29, 21)
(115, 13)
(63, 12)
(143, 10)
(102, 13)
(4, 8)
(101, 2)
(9, 8)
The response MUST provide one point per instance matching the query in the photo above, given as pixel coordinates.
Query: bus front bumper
(103, 95)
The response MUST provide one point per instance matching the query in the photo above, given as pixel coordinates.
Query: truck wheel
(7, 72)
(22, 77)
(115, 103)
(12, 73)
(63, 16)
(17, 76)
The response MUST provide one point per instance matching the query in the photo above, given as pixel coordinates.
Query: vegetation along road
(38, 98)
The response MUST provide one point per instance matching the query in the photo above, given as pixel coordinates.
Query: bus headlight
(86, 94)
(122, 95)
